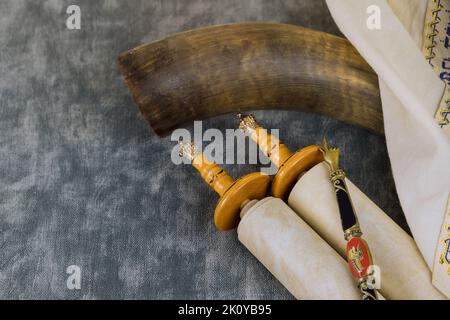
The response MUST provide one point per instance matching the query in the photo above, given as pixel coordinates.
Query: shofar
(404, 273)
(210, 71)
(294, 253)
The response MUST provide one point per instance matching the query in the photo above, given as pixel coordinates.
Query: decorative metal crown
(187, 149)
(247, 123)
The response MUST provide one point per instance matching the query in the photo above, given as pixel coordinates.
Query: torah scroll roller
(290, 249)
(303, 180)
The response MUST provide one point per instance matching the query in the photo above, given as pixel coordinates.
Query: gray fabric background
(84, 181)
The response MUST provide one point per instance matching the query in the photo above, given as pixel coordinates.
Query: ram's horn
(251, 66)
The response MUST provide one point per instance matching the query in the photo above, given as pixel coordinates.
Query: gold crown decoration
(247, 123)
(187, 150)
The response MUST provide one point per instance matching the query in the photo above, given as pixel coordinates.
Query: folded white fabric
(411, 94)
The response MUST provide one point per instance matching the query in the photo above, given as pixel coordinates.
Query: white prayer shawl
(418, 141)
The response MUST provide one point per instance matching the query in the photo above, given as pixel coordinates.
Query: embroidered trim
(441, 268)
(443, 111)
(436, 49)
(444, 257)
(431, 30)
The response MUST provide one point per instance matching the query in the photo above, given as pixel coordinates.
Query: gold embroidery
(436, 49)
(443, 111)
(444, 258)
(431, 29)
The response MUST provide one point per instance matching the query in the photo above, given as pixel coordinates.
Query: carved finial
(247, 123)
(188, 150)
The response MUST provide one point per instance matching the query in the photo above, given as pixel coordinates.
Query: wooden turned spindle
(213, 175)
(233, 194)
(270, 145)
(290, 165)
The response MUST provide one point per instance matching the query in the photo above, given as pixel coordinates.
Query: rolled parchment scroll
(294, 253)
(404, 273)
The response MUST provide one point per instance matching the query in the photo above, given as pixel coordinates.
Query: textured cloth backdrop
(84, 181)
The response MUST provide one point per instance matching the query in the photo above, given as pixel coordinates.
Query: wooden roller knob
(213, 174)
(290, 165)
(270, 145)
(233, 194)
